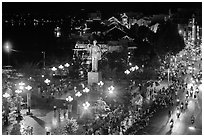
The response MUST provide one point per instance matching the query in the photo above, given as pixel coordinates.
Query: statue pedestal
(94, 77)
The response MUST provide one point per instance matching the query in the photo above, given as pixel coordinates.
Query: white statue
(95, 53)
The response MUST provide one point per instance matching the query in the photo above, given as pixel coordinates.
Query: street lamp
(78, 94)
(110, 89)
(60, 67)
(19, 103)
(8, 48)
(54, 69)
(86, 90)
(28, 99)
(6, 95)
(101, 83)
(127, 72)
(69, 99)
(86, 105)
(47, 81)
(67, 65)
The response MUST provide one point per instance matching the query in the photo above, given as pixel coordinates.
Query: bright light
(86, 105)
(54, 69)
(42, 76)
(67, 65)
(127, 72)
(69, 98)
(7, 47)
(101, 83)
(18, 91)
(134, 68)
(6, 95)
(180, 31)
(28, 87)
(86, 90)
(110, 89)
(21, 87)
(21, 84)
(60, 67)
(190, 68)
(191, 128)
(130, 64)
(78, 94)
(47, 81)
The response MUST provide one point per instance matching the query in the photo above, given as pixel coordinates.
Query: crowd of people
(120, 122)
(185, 74)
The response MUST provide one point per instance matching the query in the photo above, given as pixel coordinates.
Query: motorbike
(178, 113)
(171, 124)
(192, 120)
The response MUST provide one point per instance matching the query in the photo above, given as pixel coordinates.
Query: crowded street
(111, 79)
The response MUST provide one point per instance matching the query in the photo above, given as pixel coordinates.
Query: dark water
(31, 40)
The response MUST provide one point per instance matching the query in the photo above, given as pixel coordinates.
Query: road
(159, 123)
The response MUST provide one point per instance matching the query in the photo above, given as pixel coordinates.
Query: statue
(95, 53)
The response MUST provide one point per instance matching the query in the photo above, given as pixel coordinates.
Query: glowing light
(134, 68)
(78, 94)
(8, 47)
(21, 87)
(28, 87)
(43, 76)
(86, 90)
(6, 95)
(60, 67)
(47, 81)
(18, 91)
(190, 68)
(54, 69)
(69, 98)
(130, 64)
(21, 84)
(67, 65)
(101, 83)
(110, 89)
(127, 72)
(191, 128)
(180, 31)
(86, 105)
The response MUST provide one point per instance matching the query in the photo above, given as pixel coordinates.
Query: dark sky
(104, 7)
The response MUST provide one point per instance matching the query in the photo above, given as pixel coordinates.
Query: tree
(69, 128)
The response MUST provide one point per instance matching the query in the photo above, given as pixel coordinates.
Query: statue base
(94, 77)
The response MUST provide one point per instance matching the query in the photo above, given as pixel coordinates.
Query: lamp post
(18, 104)
(28, 99)
(61, 69)
(8, 49)
(69, 99)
